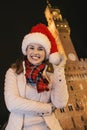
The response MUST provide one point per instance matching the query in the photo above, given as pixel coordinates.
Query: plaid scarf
(34, 76)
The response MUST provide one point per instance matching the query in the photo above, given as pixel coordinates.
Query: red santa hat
(40, 34)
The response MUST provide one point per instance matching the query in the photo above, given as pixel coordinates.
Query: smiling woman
(32, 93)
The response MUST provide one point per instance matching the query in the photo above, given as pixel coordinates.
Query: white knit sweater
(27, 107)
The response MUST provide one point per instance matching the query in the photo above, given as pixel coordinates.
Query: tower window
(64, 36)
(70, 107)
(71, 88)
(62, 110)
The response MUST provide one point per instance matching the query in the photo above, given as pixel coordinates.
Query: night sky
(16, 19)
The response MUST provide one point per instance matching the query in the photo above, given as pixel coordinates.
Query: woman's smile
(35, 56)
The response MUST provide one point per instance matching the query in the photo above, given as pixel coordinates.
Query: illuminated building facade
(74, 115)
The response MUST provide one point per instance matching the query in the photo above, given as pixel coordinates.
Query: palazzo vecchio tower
(74, 115)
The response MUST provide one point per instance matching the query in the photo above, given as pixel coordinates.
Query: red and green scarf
(34, 76)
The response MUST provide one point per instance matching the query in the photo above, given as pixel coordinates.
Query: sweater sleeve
(59, 94)
(17, 103)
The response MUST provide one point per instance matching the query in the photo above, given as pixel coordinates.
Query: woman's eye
(40, 49)
(31, 47)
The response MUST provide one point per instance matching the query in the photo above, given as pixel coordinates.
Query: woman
(32, 90)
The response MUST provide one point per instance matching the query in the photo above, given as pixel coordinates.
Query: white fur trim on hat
(38, 38)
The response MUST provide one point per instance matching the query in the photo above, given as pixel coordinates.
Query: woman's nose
(35, 51)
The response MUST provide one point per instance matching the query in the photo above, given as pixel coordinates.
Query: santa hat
(40, 34)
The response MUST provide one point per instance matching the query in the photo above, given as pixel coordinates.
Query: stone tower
(61, 30)
(74, 115)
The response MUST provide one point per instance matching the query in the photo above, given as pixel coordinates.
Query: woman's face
(35, 53)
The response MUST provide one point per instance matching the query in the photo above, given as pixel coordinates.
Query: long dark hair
(18, 65)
